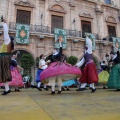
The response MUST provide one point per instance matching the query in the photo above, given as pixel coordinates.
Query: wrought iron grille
(23, 17)
(56, 22)
(86, 27)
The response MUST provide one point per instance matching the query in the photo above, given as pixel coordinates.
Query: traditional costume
(104, 75)
(58, 71)
(5, 60)
(89, 74)
(114, 78)
(17, 80)
(42, 66)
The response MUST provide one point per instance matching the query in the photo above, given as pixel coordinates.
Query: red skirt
(89, 74)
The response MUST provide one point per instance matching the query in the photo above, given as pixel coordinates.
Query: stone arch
(111, 19)
(25, 50)
(57, 8)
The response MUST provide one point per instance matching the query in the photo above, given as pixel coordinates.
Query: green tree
(72, 60)
(27, 62)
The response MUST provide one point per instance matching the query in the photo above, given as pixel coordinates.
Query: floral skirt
(64, 70)
(114, 78)
(17, 80)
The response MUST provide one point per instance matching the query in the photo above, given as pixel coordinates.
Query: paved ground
(31, 104)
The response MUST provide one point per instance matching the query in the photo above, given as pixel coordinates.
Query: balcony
(48, 30)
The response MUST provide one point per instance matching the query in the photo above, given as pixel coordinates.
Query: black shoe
(17, 90)
(104, 87)
(90, 88)
(63, 89)
(59, 92)
(118, 90)
(67, 89)
(53, 92)
(5, 93)
(93, 90)
(46, 89)
(80, 89)
(39, 89)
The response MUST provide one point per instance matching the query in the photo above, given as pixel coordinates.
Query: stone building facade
(100, 17)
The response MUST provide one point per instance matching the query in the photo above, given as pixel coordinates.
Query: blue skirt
(69, 83)
(38, 75)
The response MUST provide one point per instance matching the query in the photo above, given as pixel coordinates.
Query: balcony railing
(49, 30)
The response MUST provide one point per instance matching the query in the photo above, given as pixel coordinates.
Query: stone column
(100, 22)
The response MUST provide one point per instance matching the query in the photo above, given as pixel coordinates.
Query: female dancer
(89, 75)
(114, 78)
(104, 75)
(5, 51)
(59, 70)
(17, 80)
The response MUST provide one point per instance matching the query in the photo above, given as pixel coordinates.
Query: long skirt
(103, 77)
(114, 78)
(64, 71)
(69, 83)
(17, 80)
(38, 75)
(89, 74)
(5, 74)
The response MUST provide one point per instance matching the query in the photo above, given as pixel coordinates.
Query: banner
(92, 37)
(22, 33)
(60, 35)
(116, 43)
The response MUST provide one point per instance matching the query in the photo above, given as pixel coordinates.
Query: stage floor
(31, 104)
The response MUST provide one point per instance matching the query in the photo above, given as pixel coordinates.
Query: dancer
(42, 66)
(89, 75)
(114, 78)
(17, 80)
(58, 70)
(5, 60)
(104, 75)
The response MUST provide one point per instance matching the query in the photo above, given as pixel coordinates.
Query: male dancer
(89, 75)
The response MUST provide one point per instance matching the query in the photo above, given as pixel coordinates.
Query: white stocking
(59, 88)
(83, 85)
(53, 88)
(39, 84)
(6, 86)
(45, 86)
(92, 85)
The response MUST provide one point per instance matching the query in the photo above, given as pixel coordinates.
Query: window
(23, 17)
(86, 26)
(108, 1)
(57, 22)
(111, 31)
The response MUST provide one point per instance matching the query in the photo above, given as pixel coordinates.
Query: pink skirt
(17, 80)
(60, 68)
